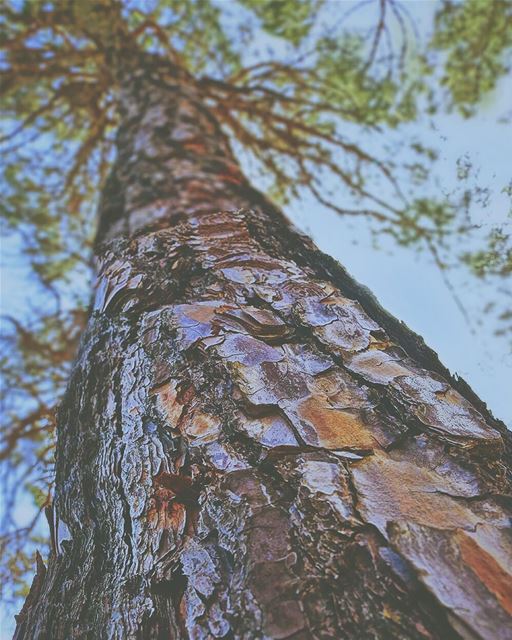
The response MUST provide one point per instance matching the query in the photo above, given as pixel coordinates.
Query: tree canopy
(310, 94)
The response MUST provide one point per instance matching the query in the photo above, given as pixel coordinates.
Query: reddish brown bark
(249, 446)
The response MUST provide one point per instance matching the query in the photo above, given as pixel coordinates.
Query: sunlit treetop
(310, 93)
(288, 79)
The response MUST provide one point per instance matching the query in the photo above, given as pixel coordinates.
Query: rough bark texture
(250, 447)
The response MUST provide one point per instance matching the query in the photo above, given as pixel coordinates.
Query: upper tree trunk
(249, 446)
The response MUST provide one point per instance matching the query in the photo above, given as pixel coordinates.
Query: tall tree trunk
(249, 446)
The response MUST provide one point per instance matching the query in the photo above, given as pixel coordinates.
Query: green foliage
(288, 19)
(426, 218)
(363, 98)
(476, 36)
(495, 259)
(192, 30)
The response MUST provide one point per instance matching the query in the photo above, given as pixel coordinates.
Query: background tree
(286, 109)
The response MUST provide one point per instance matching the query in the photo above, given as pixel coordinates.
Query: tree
(248, 445)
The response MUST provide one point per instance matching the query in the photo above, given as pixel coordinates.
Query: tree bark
(249, 446)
